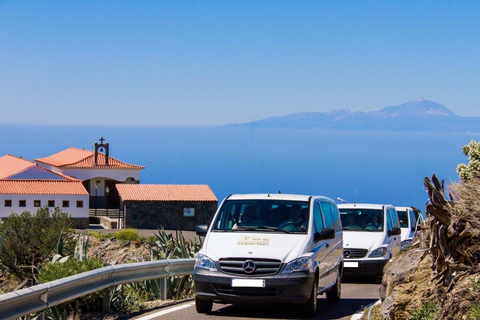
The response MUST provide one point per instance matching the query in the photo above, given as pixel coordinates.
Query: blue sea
(363, 166)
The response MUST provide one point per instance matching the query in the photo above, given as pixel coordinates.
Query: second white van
(371, 237)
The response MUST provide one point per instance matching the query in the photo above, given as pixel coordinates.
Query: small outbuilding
(172, 207)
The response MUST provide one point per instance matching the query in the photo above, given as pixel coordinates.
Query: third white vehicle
(409, 222)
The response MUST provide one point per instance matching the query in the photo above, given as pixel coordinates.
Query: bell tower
(99, 147)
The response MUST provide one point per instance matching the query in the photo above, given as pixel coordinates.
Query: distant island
(415, 116)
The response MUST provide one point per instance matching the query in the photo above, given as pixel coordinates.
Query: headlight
(300, 264)
(204, 262)
(379, 252)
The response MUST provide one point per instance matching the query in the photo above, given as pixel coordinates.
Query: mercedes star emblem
(249, 266)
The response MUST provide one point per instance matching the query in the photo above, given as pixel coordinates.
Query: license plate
(349, 264)
(250, 283)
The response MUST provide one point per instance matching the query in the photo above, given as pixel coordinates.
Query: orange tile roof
(81, 158)
(66, 187)
(11, 165)
(165, 192)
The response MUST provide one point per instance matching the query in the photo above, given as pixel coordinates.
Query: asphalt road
(356, 295)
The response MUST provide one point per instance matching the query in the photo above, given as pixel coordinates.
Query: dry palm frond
(454, 229)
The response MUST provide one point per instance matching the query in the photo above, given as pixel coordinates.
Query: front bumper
(370, 267)
(279, 288)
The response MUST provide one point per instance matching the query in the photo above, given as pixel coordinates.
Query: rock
(405, 284)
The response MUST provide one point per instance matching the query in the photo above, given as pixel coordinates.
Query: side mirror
(201, 230)
(395, 231)
(324, 234)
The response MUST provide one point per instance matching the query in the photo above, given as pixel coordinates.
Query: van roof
(273, 196)
(362, 206)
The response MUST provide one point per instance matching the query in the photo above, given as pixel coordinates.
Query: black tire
(309, 309)
(203, 306)
(333, 295)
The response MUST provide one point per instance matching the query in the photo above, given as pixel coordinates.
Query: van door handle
(327, 245)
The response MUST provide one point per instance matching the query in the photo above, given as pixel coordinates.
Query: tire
(203, 306)
(309, 309)
(333, 295)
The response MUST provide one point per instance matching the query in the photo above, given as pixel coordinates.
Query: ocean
(361, 166)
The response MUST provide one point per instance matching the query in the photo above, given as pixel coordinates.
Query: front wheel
(203, 306)
(310, 307)
(333, 295)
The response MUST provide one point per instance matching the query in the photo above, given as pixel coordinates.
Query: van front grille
(249, 266)
(354, 253)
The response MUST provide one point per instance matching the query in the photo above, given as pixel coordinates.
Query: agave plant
(168, 246)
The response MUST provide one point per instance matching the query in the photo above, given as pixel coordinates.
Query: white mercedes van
(371, 237)
(270, 248)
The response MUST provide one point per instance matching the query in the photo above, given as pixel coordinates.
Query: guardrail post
(163, 289)
(106, 301)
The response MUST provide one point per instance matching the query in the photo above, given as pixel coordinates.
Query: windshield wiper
(259, 228)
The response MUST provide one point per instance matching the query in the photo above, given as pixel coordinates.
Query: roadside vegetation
(44, 247)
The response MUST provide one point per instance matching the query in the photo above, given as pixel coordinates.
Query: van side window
(317, 217)
(327, 214)
(395, 221)
(413, 219)
(337, 222)
(389, 220)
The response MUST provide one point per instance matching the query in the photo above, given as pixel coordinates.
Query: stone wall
(167, 214)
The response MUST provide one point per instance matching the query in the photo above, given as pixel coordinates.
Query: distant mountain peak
(416, 108)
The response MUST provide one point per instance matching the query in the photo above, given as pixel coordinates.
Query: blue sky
(195, 63)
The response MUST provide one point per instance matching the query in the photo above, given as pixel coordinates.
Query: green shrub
(372, 313)
(98, 235)
(31, 240)
(474, 312)
(65, 267)
(128, 235)
(428, 311)
(151, 240)
(58, 270)
(475, 284)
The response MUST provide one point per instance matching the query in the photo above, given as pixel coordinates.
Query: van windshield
(263, 216)
(362, 219)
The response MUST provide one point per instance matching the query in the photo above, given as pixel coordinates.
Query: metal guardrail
(42, 296)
